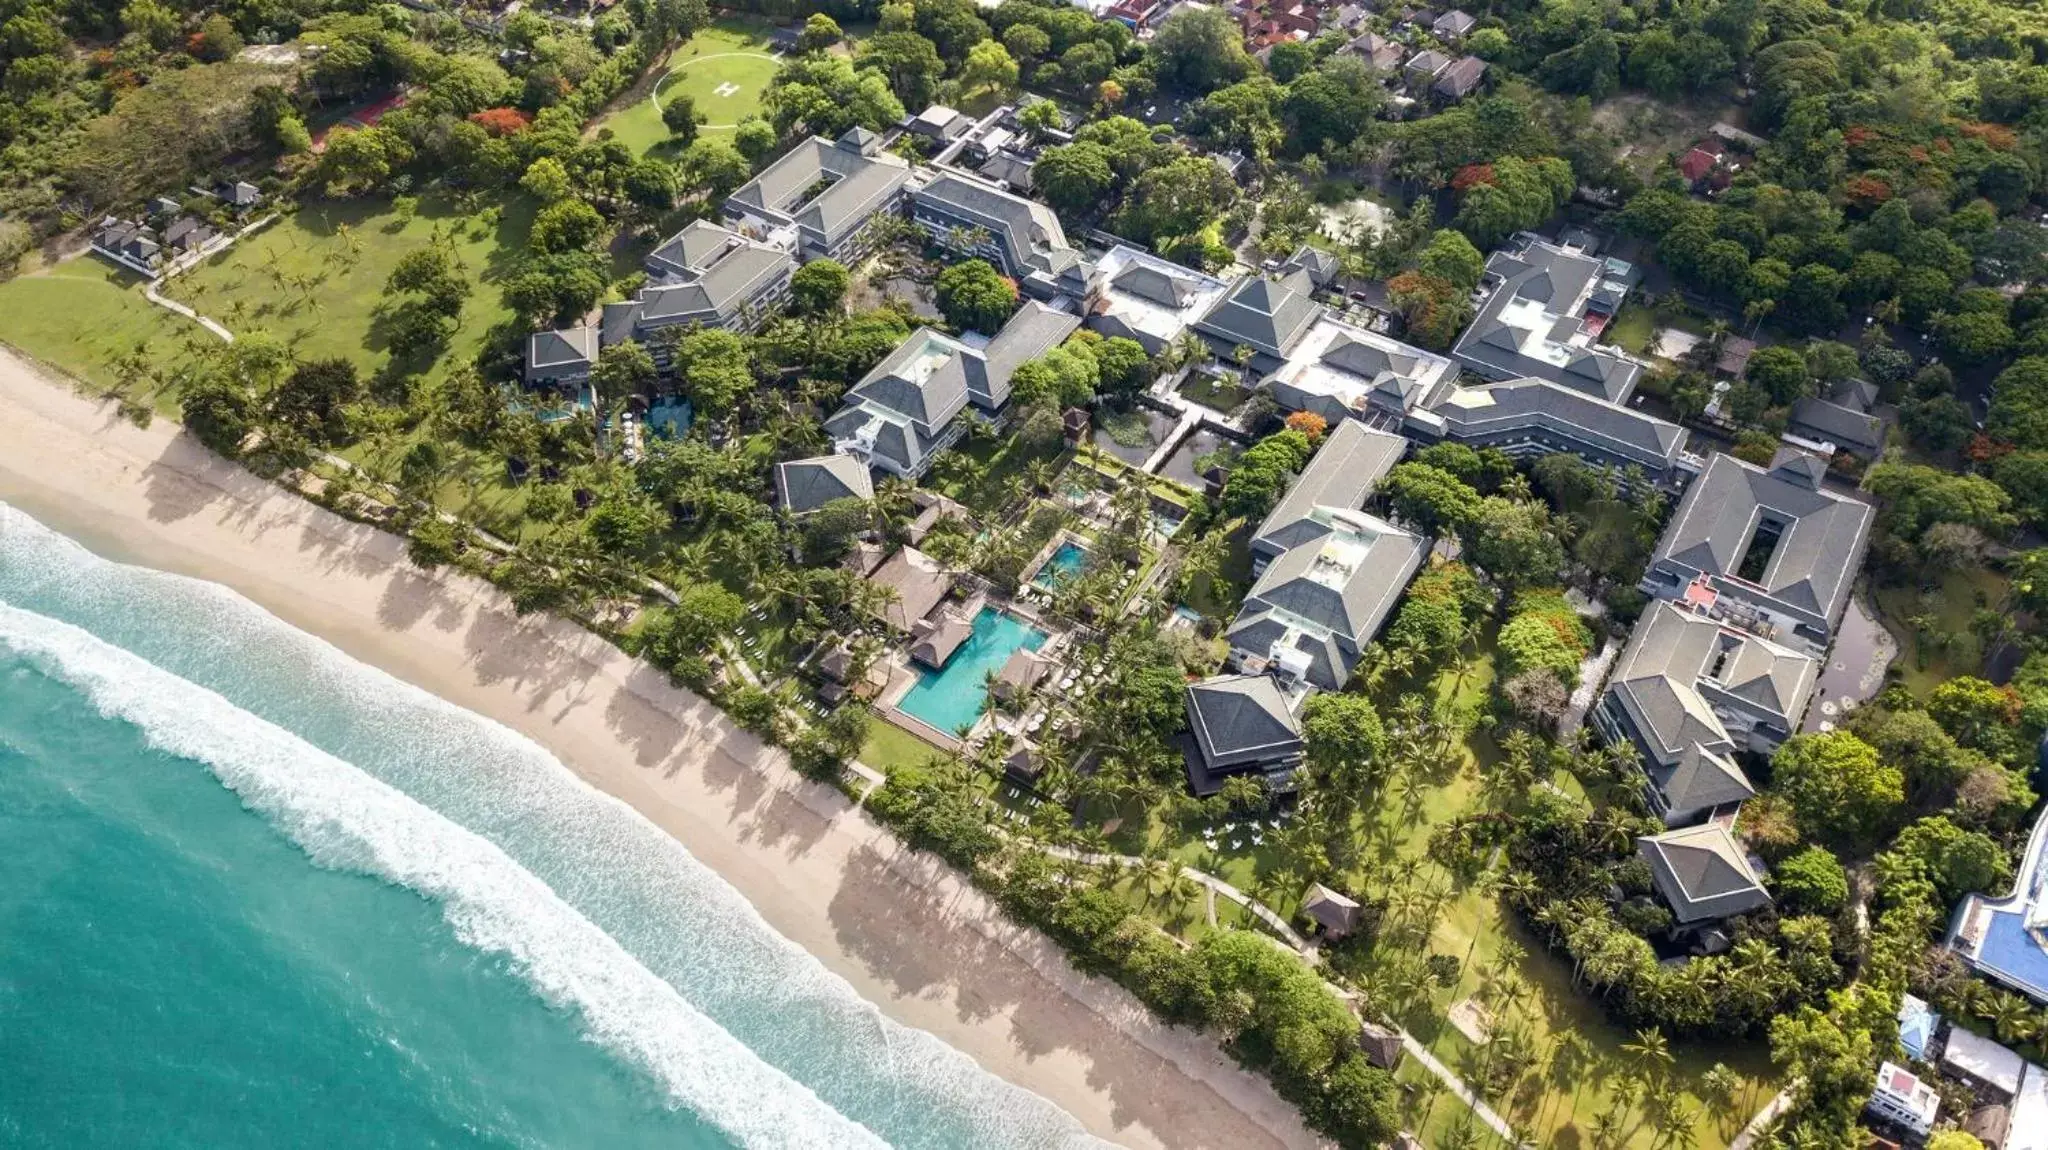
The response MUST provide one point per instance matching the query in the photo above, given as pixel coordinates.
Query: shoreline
(905, 930)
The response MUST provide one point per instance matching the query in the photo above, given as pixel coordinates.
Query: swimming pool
(1066, 562)
(950, 699)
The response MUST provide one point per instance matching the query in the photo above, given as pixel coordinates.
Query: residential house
(903, 412)
(919, 583)
(1240, 725)
(561, 357)
(1533, 417)
(1901, 1099)
(1341, 370)
(1380, 53)
(1982, 1064)
(1733, 359)
(187, 235)
(1548, 307)
(822, 198)
(1460, 78)
(239, 195)
(1421, 69)
(1701, 162)
(1138, 15)
(1453, 26)
(1149, 299)
(1348, 18)
(1021, 237)
(1269, 315)
(1688, 694)
(130, 243)
(1325, 573)
(803, 486)
(1768, 548)
(1840, 421)
(1702, 874)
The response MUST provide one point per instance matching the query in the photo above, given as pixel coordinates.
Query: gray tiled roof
(1155, 284)
(1529, 406)
(1702, 873)
(1267, 315)
(1819, 549)
(803, 485)
(1025, 229)
(854, 187)
(706, 274)
(1343, 471)
(924, 380)
(1845, 427)
(553, 351)
(1240, 720)
(1461, 77)
(1034, 330)
(1544, 288)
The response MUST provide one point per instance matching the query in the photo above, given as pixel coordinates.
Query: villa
(1326, 574)
(822, 198)
(1021, 237)
(905, 410)
(1770, 549)
(561, 357)
(1688, 693)
(1549, 307)
(1148, 299)
(1240, 725)
(803, 486)
(1702, 875)
(1341, 370)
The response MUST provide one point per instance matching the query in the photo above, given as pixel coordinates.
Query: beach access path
(905, 930)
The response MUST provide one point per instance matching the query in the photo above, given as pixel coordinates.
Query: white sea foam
(675, 916)
(344, 818)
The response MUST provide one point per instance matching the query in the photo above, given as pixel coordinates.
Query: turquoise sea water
(950, 698)
(253, 893)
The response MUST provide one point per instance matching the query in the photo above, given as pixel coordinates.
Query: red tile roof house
(1700, 162)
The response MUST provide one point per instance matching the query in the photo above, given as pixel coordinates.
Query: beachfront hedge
(1272, 1012)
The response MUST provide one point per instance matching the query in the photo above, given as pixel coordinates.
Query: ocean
(256, 893)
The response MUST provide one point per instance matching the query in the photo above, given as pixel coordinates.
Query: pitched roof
(919, 581)
(1426, 63)
(1267, 315)
(1353, 459)
(1845, 427)
(1337, 913)
(924, 380)
(935, 639)
(706, 274)
(1522, 405)
(1026, 229)
(1821, 536)
(1241, 720)
(1702, 873)
(827, 189)
(804, 485)
(1029, 333)
(1680, 668)
(1461, 76)
(574, 347)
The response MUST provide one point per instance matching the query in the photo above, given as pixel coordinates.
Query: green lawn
(730, 52)
(1214, 392)
(1635, 329)
(315, 278)
(84, 315)
(889, 746)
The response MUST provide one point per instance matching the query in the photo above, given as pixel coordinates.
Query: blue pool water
(950, 699)
(255, 893)
(1066, 562)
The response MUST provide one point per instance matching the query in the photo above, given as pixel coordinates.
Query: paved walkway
(1771, 1112)
(1190, 418)
(1265, 913)
(150, 293)
(1487, 1114)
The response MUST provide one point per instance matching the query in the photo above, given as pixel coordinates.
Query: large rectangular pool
(950, 699)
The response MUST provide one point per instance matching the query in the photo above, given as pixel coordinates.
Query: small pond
(1134, 435)
(1180, 466)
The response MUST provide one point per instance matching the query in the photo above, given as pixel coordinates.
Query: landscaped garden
(89, 319)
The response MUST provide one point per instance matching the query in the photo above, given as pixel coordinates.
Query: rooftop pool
(1065, 564)
(950, 699)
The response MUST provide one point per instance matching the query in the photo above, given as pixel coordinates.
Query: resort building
(1326, 574)
(822, 197)
(1702, 875)
(1982, 1064)
(1148, 299)
(806, 485)
(1379, 53)
(1901, 1099)
(1841, 422)
(131, 243)
(903, 412)
(1548, 308)
(561, 357)
(1533, 417)
(1335, 915)
(704, 276)
(1021, 237)
(2006, 939)
(1460, 78)
(1767, 549)
(1240, 725)
(1340, 370)
(1689, 693)
(919, 581)
(1268, 314)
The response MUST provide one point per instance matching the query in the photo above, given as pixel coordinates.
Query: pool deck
(904, 675)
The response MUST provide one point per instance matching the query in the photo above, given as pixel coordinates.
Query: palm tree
(1649, 1055)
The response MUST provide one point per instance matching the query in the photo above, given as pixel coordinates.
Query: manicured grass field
(315, 278)
(889, 746)
(84, 315)
(724, 68)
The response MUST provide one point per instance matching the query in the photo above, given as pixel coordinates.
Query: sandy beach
(902, 928)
